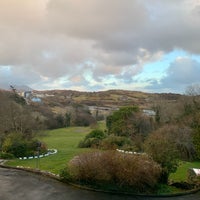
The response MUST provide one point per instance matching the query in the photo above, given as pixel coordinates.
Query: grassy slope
(181, 173)
(65, 141)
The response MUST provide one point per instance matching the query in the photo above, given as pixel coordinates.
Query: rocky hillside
(110, 98)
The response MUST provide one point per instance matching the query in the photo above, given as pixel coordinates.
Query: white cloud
(56, 38)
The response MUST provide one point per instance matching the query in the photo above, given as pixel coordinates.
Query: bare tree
(193, 90)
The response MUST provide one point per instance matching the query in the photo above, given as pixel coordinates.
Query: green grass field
(66, 141)
(181, 173)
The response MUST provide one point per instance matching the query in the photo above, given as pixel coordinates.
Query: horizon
(18, 88)
(92, 46)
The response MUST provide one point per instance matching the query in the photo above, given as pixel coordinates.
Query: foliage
(92, 139)
(162, 148)
(196, 140)
(129, 121)
(181, 136)
(114, 142)
(68, 119)
(138, 172)
(17, 146)
(98, 139)
(183, 118)
(17, 98)
(99, 134)
(65, 140)
(193, 90)
(181, 173)
(17, 118)
(118, 122)
(81, 116)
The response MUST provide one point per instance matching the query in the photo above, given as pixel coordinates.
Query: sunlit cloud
(100, 44)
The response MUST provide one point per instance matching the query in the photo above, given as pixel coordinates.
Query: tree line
(20, 122)
(173, 134)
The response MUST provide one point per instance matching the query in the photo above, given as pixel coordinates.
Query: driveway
(20, 185)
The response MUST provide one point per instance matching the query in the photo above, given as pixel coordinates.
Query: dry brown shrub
(123, 170)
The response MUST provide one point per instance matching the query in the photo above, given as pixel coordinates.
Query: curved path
(20, 185)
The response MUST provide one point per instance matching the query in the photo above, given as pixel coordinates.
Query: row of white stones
(50, 152)
(127, 152)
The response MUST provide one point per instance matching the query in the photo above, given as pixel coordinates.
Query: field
(65, 140)
(181, 173)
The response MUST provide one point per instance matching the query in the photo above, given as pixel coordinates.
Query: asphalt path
(21, 185)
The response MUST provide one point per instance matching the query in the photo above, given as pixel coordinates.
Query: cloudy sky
(93, 45)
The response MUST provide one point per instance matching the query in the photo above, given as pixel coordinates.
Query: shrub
(137, 172)
(162, 148)
(19, 147)
(92, 139)
(114, 142)
(99, 134)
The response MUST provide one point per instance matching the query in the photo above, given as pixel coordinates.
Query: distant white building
(150, 113)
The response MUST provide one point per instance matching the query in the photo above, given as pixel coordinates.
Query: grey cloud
(51, 39)
(183, 71)
(126, 25)
(180, 74)
(19, 76)
(96, 19)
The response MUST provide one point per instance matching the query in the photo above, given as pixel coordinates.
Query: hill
(60, 100)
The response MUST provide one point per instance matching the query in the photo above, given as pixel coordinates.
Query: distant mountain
(22, 88)
(110, 98)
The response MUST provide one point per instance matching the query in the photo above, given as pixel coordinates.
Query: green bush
(110, 168)
(99, 134)
(65, 175)
(114, 142)
(18, 149)
(17, 146)
(93, 139)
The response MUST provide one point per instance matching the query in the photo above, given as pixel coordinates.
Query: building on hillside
(36, 100)
(149, 113)
(27, 94)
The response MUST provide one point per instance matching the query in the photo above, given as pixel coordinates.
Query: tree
(161, 147)
(18, 146)
(123, 121)
(192, 114)
(196, 140)
(18, 125)
(92, 139)
(16, 97)
(60, 121)
(130, 122)
(68, 119)
(193, 90)
(15, 117)
(81, 116)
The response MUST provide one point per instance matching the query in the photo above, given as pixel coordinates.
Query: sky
(96, 45)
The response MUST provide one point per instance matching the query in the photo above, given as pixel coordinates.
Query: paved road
(20, 185)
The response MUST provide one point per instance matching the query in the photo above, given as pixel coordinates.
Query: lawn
(65, 140)
(181, 173)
